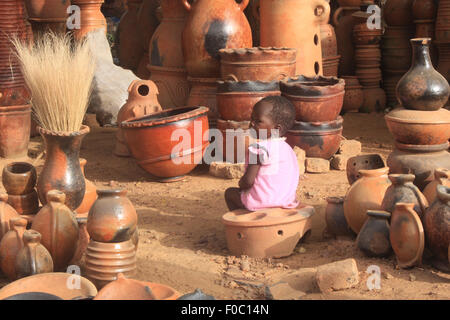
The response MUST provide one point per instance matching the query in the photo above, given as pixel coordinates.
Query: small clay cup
(19, 178)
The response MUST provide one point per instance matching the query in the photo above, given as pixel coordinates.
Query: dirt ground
(182, 240)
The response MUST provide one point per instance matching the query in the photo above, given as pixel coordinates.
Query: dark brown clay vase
(59, 229)
(112, 217)
(334, 216)
(33, 258)
(441, 177)
(10, 245)
(7, 213)
(15, 124)
(62, 170)
(373, 239)
(90, 195)
(422, 87)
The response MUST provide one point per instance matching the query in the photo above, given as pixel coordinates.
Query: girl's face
(262, 122)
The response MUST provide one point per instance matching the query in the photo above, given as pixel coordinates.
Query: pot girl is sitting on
(272, 174)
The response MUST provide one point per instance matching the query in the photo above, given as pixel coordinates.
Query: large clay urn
(213, 25)
(62, 170)
(59, 229)
(7, 213)
(441, 177)
(295, 24)
(90, 195)
(91, 17)
(10, 245)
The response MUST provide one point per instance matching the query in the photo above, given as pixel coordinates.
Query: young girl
(272, 174)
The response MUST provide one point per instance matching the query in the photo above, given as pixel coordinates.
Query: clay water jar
(235, 99)
(441, 177)
(362, 162)
(314, 98)
(366, 193)
(15, 124)
(318, 139)
(10, 246)
(236, 139)
(203, 93)
(91, 17)
(149, 140)
(398, 12)
(213, 25)
(335, 218)
(373, 239)
(269, 233)
(257, 64)
(7, 213)
(353, 96)
(44, 9)
(90, 194)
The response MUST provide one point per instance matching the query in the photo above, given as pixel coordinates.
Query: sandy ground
(182, 240)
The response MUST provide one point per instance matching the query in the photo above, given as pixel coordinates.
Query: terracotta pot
(328, 40)
(149, 140)
(15, 122)
(390, 80)
(90, 195)
(45, 9)
(266, 233)
(129, 289)
(370, 77)
(354, 96)
(318, 139)
(295, 24)
(424, 9)
(52, 283)
(33, 258)
(374, 99)
(91, 17)
(204, 93)
(444, 61)
(335, 218)
(314, 98)
(27, 204)
(330, 66)
(366, 193)
(104, 261)
(257, 64)
(62, 170)
(398, 12)
(441, 177)
(442, 26)
(83, 240)
(7, 213)
(419, 160)
(236, 139)
(407, 235)
(373, 239)
(422, 87)
(362, 35)
(343, 23)
(19, 178)
(59, 229)
(10, 246)
(142, 101)
(362, 162)
(235, 100)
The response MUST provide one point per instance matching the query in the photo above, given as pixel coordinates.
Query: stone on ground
(350, 148)
(338, 275)
(227, 170)
(339, 162)
(301, 157)
(317, 165)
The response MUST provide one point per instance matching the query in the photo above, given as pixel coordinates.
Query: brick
(317, 165)
(339, 162)
(350, 148)
(301, 157)
(337, 275)
(227, 170)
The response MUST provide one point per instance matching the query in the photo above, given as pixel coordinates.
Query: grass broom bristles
(59, 75)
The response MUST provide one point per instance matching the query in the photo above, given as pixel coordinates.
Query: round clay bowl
(419, 127)
(54, 283)
(362, 162)
(19, 178)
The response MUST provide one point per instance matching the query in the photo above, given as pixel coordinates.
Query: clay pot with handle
(441, 177)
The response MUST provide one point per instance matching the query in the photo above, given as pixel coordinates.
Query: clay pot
(104, 261)
(235, 100)
(91, 17)
(236, 139)
(112, 217)
(362, 162)
(407, 235)
(398, 12)
(354, 96)
(269, 233)
(396, 48)
(257, 64)
(318, 139)
(441, 177)
(213, 25)
(10, 245)
(390, 80)
(90, 195)
(314, 98)
(343, 23)
(129, 289)
(373, 239)
(51, 283)
(59, 229)
(424, 9)
(419, 127)
(444, 61)
(367, 57)
(15, 123)
(203, 93)
(33, 258)
(437, 227)
(142, 101)
(403, 190)
(295, 24)
(328, 41)
(374, 99)
(83, 240)
(7, 213)
(422, 87)
(369, 77)
(330, 66)
(366, 193)
(442, 26)
(362, 35)
(335, 218)
(44, 9)
(150, 143)
(62, 170)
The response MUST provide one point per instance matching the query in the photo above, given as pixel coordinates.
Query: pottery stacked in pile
(442, 29)
(328, 42)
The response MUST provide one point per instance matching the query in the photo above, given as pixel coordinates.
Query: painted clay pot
(373, 239)
(91, 17)
(422, 87)
(235, 100)
(442, 26)
(398, 12)
(374, 99)
(104, 261)
(130, 289)
(257, 64)
(59, 229)
(424, 9)
(269, 233)
(295, 24)
(403, 190)
(437, 227)
(236, 139)
(362, 162)
(15, 124)
(142, 101)
(90, 195)
(150, 143)
(7, 213)
(62, 170)
(419, 127)
(213, 25)
(112, 217)
(314, 98)
(407, 235)
(366, 193)
(354, 96)
(33, 258)
(203, 93)
(441, 177)
(10, 245)
(318, 139)
(330, 66)
(335, 218)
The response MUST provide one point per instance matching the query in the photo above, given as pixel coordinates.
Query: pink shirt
(277, 180)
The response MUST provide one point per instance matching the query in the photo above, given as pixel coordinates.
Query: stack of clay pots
(424, 14)
(330, 57)
(442, 30)
(47, 15)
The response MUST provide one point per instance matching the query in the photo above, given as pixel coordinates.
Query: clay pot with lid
(7, 213)
(236, 139)
(314, 98)
(91, 17)
(335, 219)
(90, 195)
(15, 124)
(353, 96)
(398, 12)
(10, 245)
(362, 162)
(441, 177)
(373, 239)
